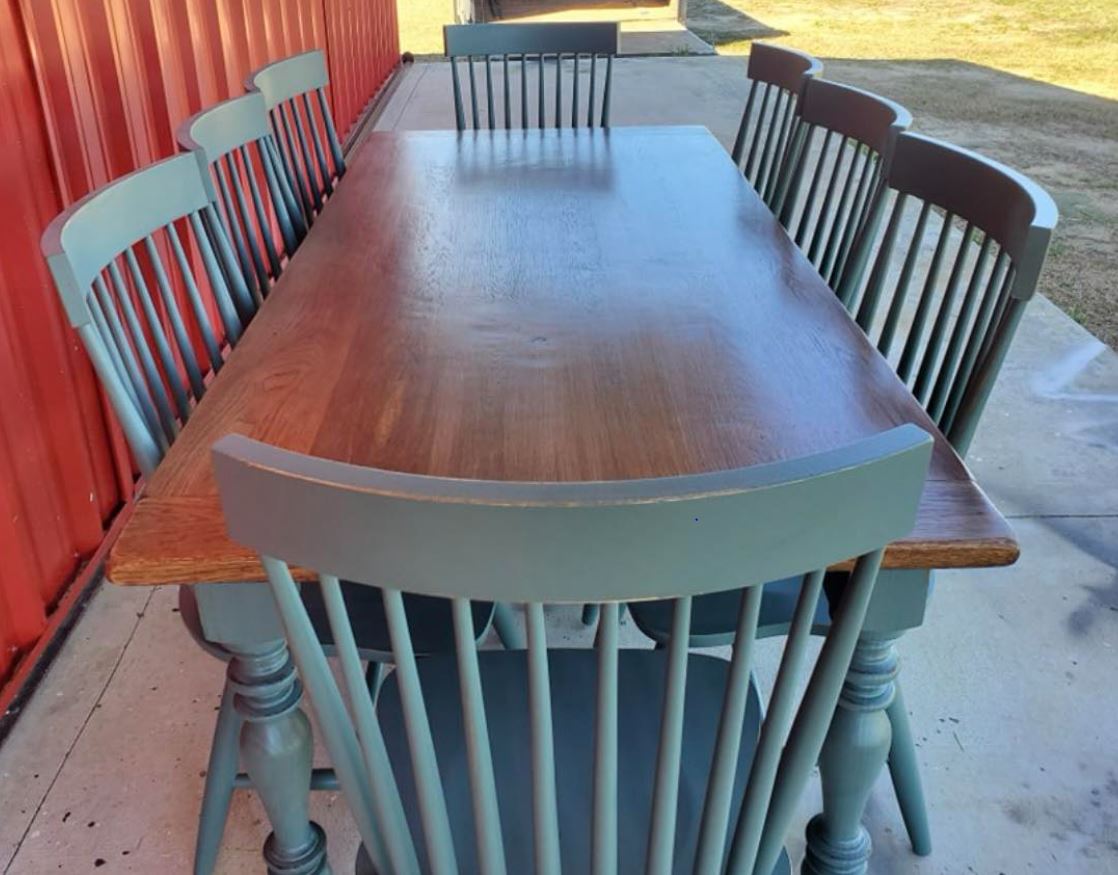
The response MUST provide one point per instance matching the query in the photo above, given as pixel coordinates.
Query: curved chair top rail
(852, 112)
(586, 38)
(1003, 203)
(572, 542)
(81, 240)
(104, 254)
(289, 77)
(219, 129)
(783, 67)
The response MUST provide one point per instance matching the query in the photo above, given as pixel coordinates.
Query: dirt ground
(1034, 86)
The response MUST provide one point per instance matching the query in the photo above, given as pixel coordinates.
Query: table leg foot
(829, 856)
(276, 749)
(853, 755)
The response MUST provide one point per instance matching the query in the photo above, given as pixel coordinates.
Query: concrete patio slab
(33, 755)
(1049, 442)
(1010, 687)
(646, 38)
(130, 791)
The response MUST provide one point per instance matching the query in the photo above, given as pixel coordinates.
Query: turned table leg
(276, 745)
(856, 748)
(859, 739)
(276, 749)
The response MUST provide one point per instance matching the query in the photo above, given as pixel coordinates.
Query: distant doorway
(648, 27)
(578, 10)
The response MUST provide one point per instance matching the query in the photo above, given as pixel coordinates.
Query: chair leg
(218, 790)
(375, 673)
(905, 772)
(508, 630)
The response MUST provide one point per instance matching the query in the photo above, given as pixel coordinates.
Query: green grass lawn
(421, 25)
(1073, 43)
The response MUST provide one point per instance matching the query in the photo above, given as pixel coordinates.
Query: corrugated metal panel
(364, 47)
(89, 90)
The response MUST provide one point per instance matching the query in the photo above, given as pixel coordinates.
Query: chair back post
(1027, 274)
(146, 449)
(777, 78)
(233, 143)
(522, 51)
(953, 347)
(854, 270)
(860, 129)
(299, 147)
(547, 543)
(104, 254)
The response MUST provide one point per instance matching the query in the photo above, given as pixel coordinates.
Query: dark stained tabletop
(546, 306)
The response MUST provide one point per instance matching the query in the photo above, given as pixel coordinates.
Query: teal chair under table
(777, 76)
(310, 151)
(949, 276)
(248, 186)
(131, 289)
(573, 760)
(522, 68)
(837, 155)
(107, 253)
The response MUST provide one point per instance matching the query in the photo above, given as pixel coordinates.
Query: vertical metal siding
(89, 90)
(363, 40)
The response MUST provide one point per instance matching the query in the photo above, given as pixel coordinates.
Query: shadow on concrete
(720, 24)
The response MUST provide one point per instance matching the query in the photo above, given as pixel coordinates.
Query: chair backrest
(300, 127)
(526, 51)
(842, 139)
(604, 542)
(777, 76)
(241, 164)
(106, 252)
(946, 311)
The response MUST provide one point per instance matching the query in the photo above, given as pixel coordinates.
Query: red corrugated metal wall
(89, 90)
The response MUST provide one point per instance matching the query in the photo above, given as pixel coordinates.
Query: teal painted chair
(574, 760)
(310, 152)
(521, 53)
(947, 323)
(130, 289)
(996, 225)
(131, 292)
(837, 155)
(248, 186)
(777, 77)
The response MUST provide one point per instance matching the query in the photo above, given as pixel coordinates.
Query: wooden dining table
(540, 306)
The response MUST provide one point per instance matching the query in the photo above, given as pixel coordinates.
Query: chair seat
(429, 620)
(573, 684)
(714, 617)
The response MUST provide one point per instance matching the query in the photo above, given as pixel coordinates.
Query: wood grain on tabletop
(546, 306)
